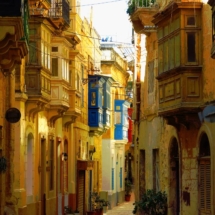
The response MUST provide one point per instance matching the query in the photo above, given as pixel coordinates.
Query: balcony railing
(133, 5)
(60, 10)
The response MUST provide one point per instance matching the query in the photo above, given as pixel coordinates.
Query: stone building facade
(174, 105)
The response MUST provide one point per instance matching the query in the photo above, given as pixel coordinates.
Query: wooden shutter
(205, 186)
(81, 193)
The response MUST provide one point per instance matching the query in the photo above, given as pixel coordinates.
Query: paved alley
(125, 208)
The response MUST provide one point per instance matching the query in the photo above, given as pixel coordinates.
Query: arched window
(29, 167)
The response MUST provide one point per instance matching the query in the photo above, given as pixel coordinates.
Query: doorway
(174, 178)
(43, 176)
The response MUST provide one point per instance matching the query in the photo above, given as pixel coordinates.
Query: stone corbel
(32, 108)
(53, 115)
(68, 120)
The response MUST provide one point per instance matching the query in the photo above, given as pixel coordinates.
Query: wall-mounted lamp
(64, 156)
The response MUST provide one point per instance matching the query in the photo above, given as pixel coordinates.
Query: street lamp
(64, 156)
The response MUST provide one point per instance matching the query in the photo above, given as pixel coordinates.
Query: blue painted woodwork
(121, 119)
(107, 102)
(120, 177)
(112, 177)
(95, 98)
(95, 118)
(208, 114)
(99, 100)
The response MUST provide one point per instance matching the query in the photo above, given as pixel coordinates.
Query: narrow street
(125, 208)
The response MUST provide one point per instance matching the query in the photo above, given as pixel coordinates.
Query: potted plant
(76, 212)
(105, 205)
(128, 190)
(151, 203)
(68, 210)
(95, 205)
(98, 204)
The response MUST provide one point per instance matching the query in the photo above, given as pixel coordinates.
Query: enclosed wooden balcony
(74, 110)
(141, 15)
(180, 92)
(180, 79)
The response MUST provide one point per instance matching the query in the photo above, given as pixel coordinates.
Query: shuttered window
(81, 188)
(112, 181)
(120, 177)
(205, 185)
(156, 185)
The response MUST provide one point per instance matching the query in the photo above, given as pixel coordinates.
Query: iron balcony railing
(144, 3)
(60, 10)
(133, 5)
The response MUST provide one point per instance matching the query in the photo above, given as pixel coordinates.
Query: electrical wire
(82, 35)
(97, 3)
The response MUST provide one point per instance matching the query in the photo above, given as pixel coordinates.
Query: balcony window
(55, 66)
(45, 49)
(191, 47)
(172, 50)
(32, 53)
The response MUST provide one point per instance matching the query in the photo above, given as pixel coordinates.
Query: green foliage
(68, 210)
(134, 4)
(128, 187)
(152, 203)
(97, 202)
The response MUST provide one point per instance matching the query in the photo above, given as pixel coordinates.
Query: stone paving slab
(125, 208)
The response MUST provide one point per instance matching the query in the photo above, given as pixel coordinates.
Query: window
(82, 77)
(112, 181)
(82, 98)
(120, 177)
(205, 185)
(32, 52)
(155, 155)
(65, 164)
(54, 49)
(191, 47)
(151, 77)
(29, 166)
(45, 49)
(51, 164)
(55, 66)
(191, 21)
(178, 42)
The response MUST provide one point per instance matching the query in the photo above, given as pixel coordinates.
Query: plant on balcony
(152, 203)
(134, 4)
